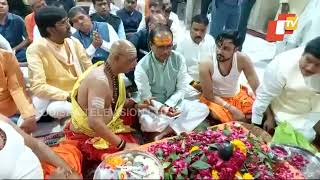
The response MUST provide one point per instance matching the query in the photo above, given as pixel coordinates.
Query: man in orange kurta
(13, 96)
(219, 79)
(29, 19)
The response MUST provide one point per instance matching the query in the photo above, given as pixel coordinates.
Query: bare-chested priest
(98, 123)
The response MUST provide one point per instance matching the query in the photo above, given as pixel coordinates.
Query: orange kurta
(69, 153)
(243, 101)
(30, 23)
(13, 96)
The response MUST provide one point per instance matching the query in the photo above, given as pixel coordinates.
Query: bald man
(29, 19)
(98, 99)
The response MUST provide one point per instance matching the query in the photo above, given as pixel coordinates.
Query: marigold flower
(239, 145)
(247, 176)
(114, 161)
(214, 174)
(194, 148)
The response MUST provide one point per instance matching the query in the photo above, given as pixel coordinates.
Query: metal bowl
(311, 170)
(100, 171)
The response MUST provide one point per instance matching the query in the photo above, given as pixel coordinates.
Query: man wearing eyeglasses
(162, 74)
(55, 61)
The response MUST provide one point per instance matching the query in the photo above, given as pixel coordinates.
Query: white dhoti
(55, 109)
(192, 114)
(302, 123)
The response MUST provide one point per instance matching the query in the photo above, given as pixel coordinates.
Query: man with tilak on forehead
(98, 124)
(161, 74)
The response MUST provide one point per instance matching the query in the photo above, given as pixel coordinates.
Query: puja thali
(304, 160)
(132, 164)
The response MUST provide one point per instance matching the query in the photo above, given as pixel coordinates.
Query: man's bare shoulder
(243, 58)
(206, 63)
(97, 79)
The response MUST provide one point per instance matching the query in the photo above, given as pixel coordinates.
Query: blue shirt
(131, 20)
(13, 30)
(86, 39)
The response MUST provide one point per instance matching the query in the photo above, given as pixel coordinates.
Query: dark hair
(18, 7)
(201, 19)
(157, 30)
(313, 47)
(75, 10)
(57, 4)
(48, 17)
(231, 35)
(157, 3)
(94, 2)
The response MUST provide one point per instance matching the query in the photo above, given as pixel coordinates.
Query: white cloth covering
(192, 114)
(17, 160)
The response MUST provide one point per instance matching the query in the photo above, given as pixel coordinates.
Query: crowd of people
(115, 74)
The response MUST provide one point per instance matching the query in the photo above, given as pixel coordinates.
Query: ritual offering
(129, 165)
(227, 151)
(301, 159)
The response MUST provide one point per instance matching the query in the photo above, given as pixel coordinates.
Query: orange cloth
(89, 152)
(68, 151)
(13, 96)
(30, 23)
(243, 101)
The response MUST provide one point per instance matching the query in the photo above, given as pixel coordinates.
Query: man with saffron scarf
(219, 79)
(98, 99)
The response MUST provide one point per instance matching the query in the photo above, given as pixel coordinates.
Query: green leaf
(168, 176)
(213, 146)
(173, 156)
(226, 132)
(257, 175)
(185, 171)
(204, 158)
(188, 159)
(179, 176)
(214, 128)
(200, 165)
(196, 153)
(165, 165)
(159, 153)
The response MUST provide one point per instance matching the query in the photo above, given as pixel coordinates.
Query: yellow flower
(114, 161)
(247, 176)
(194, 148)
(214, 174)
(239, 145)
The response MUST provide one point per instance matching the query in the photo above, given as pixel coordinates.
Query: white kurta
(193, 54)
(290, 94)
(167, 83)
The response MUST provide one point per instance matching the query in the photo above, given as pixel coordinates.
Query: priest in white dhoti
(196, 45)
(162, 74)
(290, 91)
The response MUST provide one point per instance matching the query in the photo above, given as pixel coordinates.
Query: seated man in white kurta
(291, 87)
(161, 74)
(196, 45)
